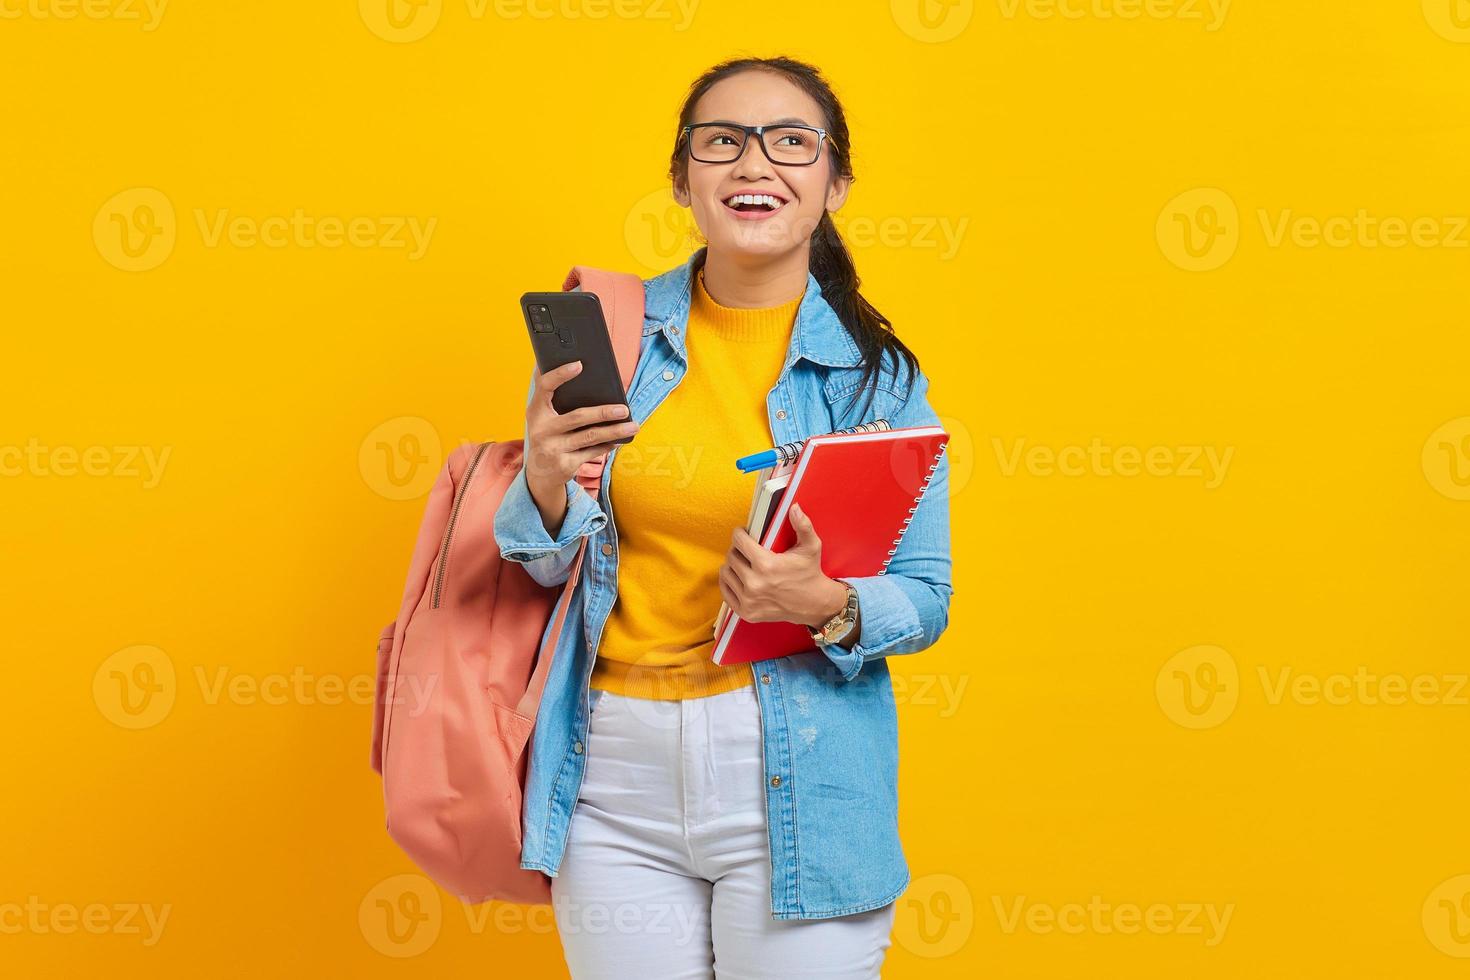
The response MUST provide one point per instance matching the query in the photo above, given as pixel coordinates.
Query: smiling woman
(660, 781)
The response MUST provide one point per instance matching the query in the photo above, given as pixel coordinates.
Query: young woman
(735, 821)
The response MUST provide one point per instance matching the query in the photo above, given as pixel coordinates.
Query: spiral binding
(927, 477)
(788, 451)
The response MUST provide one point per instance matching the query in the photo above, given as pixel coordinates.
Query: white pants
(667, 872)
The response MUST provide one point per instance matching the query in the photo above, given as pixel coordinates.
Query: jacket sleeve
(905, 609)
(522, 536)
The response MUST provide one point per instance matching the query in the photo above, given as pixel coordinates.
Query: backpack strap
(621, 296)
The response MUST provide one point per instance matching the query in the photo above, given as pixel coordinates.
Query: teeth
(765, 199)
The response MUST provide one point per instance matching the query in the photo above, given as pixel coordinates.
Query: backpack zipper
(449, 531)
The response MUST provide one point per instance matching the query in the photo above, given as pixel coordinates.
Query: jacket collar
(818, 334)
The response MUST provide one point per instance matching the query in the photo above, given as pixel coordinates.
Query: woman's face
(758, 98)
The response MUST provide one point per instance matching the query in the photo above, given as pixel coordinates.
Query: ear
(837, 192)
(681, 191)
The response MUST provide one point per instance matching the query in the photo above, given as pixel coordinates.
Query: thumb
(806, 532)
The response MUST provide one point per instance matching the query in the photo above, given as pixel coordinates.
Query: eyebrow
(784, 121)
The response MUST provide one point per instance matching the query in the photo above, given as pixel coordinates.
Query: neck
(756, 282)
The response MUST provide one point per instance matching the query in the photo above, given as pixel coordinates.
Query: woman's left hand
(762, 586)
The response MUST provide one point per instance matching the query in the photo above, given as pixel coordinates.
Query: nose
(752, 163)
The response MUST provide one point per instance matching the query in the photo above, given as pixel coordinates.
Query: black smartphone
(569, 327)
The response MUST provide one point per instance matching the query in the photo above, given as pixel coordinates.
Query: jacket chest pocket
(849, 402)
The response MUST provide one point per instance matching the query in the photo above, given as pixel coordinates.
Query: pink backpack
(462, 668)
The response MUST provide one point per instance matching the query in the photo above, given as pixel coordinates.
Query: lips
(754, 207)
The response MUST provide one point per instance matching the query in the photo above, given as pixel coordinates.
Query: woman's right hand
(554, 452)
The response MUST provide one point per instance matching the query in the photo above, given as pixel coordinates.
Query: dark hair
(831, 263)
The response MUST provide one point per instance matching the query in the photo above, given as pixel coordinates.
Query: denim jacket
(829, 729)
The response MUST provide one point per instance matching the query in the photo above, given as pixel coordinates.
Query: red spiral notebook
(860, 490)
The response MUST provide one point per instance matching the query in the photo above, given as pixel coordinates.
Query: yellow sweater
(677, 498)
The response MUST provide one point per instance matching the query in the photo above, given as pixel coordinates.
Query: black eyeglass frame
(686, 134)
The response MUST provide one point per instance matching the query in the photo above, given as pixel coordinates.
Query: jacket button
(781, 413)
(775, 780)
(577, 747)
(765, 678)
(668, 375)
(607, 549)
(675, 329)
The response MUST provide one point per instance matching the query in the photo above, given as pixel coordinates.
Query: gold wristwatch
(837, 628)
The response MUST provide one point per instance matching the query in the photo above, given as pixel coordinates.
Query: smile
(754, 207)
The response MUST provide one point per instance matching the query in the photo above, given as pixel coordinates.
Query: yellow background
(1058, 749)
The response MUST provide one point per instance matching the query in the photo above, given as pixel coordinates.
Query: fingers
(593, 435)
(556, 377)
(728, 593)
(746, 548)
(591, 415)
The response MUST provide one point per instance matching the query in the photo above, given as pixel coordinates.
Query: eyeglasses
(787, 145)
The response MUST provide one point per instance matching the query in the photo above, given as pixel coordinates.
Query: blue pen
(789, 451)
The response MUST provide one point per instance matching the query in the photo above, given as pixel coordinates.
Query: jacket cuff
(888, 618)
(520, 532)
